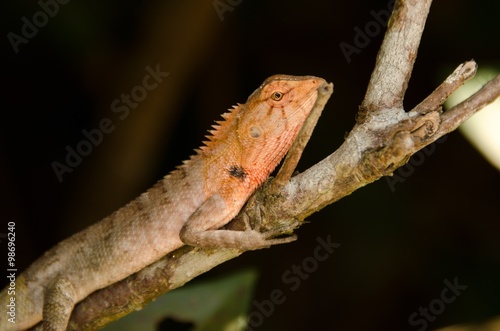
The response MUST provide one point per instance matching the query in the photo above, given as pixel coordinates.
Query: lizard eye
(277, 95)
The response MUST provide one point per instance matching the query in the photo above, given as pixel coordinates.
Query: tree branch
(454, 81)
(372, 150)
(293, 156)
(172, 271)
(464, 110)
(396, 57)
(384, 139)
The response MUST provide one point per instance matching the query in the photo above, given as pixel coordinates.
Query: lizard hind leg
(59, 300)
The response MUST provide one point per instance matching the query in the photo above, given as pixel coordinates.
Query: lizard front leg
(201, 229)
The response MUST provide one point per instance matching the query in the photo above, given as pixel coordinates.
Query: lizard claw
(285, 240)
(265, 238)
(257, 240)
(269, 236)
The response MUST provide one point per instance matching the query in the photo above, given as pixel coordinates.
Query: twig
(294, 154)
(464, 72)
(464, 110)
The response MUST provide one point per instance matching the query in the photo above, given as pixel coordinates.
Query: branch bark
(397, 55)
(384, 138)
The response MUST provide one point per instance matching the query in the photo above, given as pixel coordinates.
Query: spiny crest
(218, 132)
(220, 128)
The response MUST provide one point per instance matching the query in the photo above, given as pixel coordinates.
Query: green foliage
(209, 305)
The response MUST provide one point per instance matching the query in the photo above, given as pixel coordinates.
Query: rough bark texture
(383, 139)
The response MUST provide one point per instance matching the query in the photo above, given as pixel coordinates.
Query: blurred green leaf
(219, 304)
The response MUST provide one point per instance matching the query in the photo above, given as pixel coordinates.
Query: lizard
(187, 207)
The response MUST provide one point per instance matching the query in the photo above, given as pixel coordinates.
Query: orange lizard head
(254, 136)
(270, 120)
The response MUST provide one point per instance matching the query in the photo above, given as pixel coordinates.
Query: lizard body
(187, 206)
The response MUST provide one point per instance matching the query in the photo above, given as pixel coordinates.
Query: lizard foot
(266, 238)
(252, 239)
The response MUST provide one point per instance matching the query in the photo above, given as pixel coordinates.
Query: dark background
(397, 245)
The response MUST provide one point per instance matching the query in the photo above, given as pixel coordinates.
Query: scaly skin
(185, 207)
